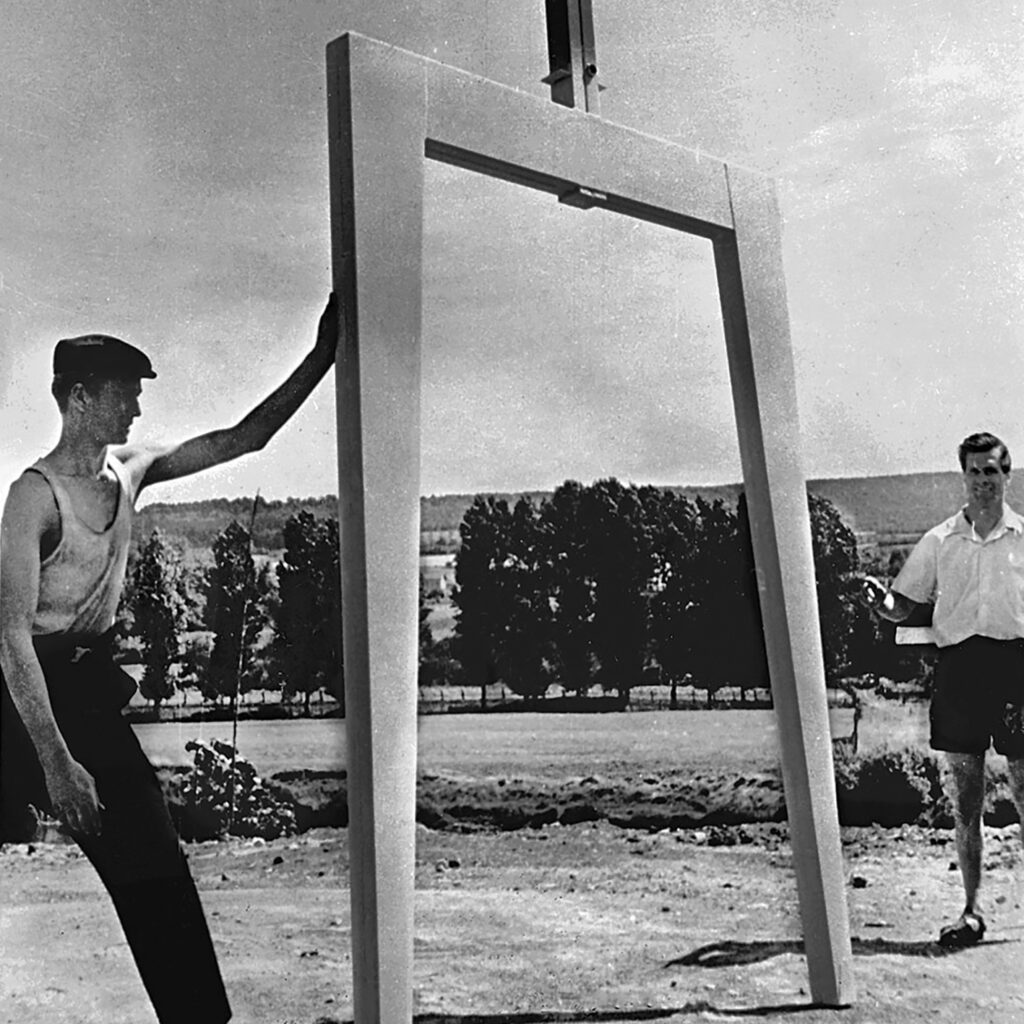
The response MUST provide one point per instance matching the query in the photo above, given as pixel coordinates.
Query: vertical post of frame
(376, 174)
(753, 294)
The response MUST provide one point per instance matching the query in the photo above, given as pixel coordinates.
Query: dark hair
(64, 382)
(983, 442)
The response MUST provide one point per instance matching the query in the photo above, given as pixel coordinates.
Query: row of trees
(230, 628)
(607, 584)
(617, 585)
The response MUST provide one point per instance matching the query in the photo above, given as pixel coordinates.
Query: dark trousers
(137, 854)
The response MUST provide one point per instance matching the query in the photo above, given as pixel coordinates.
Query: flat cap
(99, 355)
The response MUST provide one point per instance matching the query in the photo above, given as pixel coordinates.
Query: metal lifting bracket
(572, 57)
(583, 198)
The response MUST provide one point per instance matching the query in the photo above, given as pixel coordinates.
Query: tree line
(606, 584)
(232, 627)
(618, 585)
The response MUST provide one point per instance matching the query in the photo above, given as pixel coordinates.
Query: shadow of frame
(733, 953)
(585, 1016)
(715, 954)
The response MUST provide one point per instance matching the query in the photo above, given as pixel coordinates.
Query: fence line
(467, 699)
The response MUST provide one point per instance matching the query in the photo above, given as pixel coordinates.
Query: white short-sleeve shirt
(975, 583)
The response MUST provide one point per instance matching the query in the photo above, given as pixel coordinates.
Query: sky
(163, 178)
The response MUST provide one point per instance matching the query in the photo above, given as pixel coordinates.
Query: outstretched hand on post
(149, 464)
(329, 329)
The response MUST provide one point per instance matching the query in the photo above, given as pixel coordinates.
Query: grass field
(544, 745)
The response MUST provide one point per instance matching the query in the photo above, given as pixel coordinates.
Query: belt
(72, 647)
(81, 674)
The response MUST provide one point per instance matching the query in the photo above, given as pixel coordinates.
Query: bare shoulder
(30, 509)
(137, 460)
(29, 514)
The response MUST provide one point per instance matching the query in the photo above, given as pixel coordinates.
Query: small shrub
(888, 787)
(205, 807)
(1000, 810)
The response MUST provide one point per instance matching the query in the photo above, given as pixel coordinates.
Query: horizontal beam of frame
(492, 129)
(542, 182)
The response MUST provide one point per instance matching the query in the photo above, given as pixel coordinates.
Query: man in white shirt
(971, 568)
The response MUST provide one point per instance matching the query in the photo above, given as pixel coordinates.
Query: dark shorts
(978, 700)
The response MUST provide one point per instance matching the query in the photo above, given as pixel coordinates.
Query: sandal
(967, 931)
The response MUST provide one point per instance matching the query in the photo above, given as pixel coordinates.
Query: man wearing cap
(971, 568)
(64, 746)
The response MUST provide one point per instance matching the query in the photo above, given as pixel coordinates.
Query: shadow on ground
(715, 954)
(735, 954)
(583, 1016)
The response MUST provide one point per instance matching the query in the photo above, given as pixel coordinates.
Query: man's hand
(73, 795)
(328, 330)
(872, 593)
(889, 604)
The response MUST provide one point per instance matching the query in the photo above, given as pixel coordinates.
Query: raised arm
(149, 464)
(26, 517)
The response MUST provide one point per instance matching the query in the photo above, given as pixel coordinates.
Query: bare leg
(968, 800)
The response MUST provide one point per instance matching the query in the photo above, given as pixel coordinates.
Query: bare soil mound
(891, 788)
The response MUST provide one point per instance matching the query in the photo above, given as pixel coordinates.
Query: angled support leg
(376, 170)
(753, 293)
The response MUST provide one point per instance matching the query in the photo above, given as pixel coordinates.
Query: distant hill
(893, 509)
(885, 509)
(195, 524)
(893, 506)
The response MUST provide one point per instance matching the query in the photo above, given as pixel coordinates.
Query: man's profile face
(113, 409)
(984, 480)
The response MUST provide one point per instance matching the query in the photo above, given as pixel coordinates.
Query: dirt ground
(561, 923)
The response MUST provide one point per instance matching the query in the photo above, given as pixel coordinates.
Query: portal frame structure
(388, 111)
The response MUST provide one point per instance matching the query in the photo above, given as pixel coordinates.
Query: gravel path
(560, 923)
